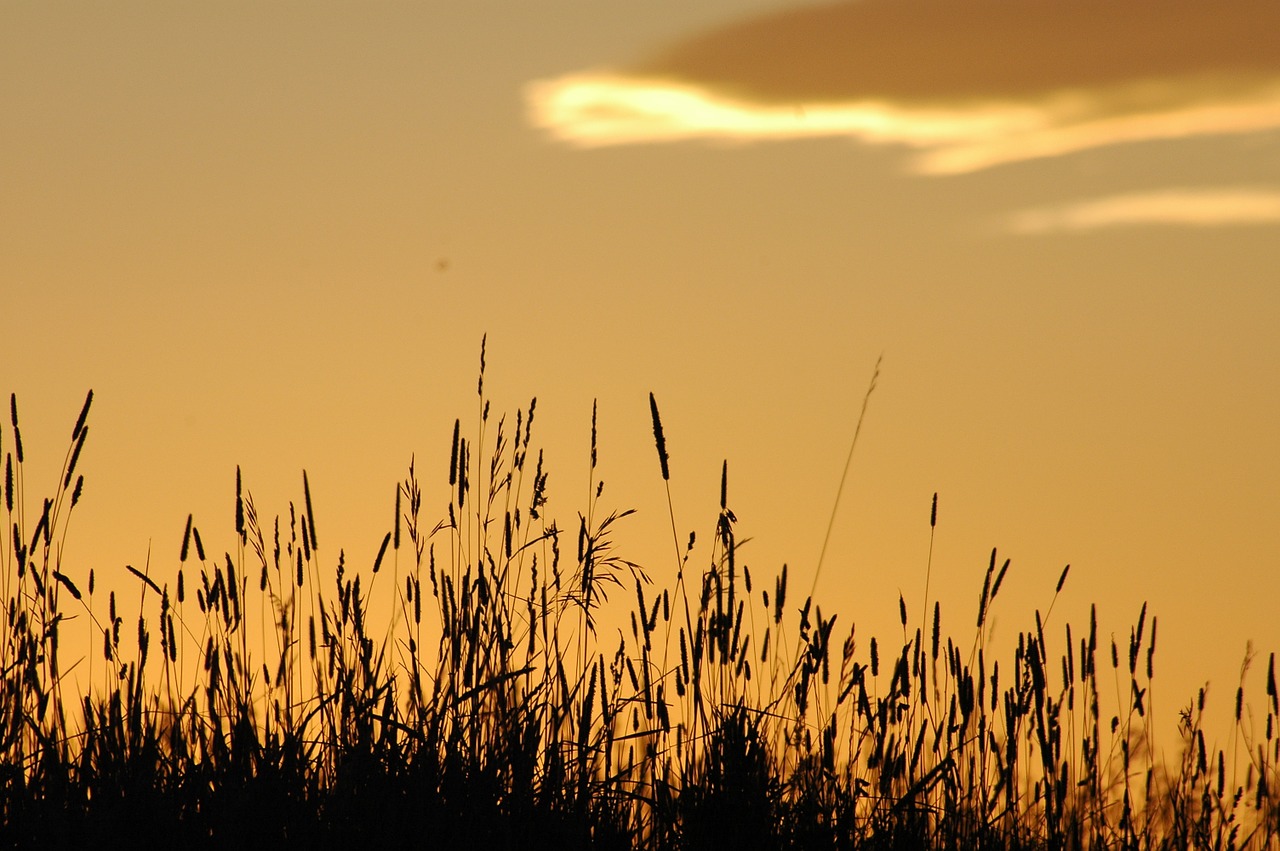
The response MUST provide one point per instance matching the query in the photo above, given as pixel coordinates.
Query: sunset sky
(274, 234)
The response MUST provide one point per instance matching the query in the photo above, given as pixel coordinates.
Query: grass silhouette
(248, 698)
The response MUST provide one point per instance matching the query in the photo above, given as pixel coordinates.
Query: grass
(249, 696)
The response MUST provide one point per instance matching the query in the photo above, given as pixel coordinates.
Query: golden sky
(273, 235)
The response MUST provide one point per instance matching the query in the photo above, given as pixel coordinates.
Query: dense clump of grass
(247, 696)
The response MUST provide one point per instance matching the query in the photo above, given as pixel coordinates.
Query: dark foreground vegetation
(460, 691)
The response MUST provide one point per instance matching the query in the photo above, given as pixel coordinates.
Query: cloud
(969, 85)
(605, 109)
(1200, 207)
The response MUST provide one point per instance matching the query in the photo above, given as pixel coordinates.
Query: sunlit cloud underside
(1199, 207)
(595, 110)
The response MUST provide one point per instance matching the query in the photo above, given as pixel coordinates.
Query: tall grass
(247, 695)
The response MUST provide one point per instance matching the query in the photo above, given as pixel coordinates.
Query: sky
(273, 235)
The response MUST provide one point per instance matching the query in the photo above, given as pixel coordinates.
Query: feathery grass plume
(937, 627)
(311, 517)
(461, 473)
(67, 583)
(195, 534)
(17, 432)
(146, 579)
(659, 440)
(19, 549)
(986, 590)
(396, 537)
(42, 527)
(995, 586)
(1271, 681)
(80, 420)
(1151, 647)
(144, 642)
(528, 424)
(233, 584)
(75, 457)
(1063, 579)
(594, 403)
(453, 454)
(382, 551)
(186, 540)
(724, 487)
(240, 530)
(1135, 641)
(1142, 620)
(780, 595)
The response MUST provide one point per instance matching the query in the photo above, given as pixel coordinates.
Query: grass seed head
(659, 439)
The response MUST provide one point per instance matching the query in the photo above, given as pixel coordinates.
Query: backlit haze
(273, 235)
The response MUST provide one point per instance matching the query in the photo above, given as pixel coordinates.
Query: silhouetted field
(250, 698)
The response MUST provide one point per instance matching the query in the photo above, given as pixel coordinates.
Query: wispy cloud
(604, 109)
(1200, 207)
(595, 110)
(969, 86)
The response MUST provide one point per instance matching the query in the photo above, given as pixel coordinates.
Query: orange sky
(229, 220)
